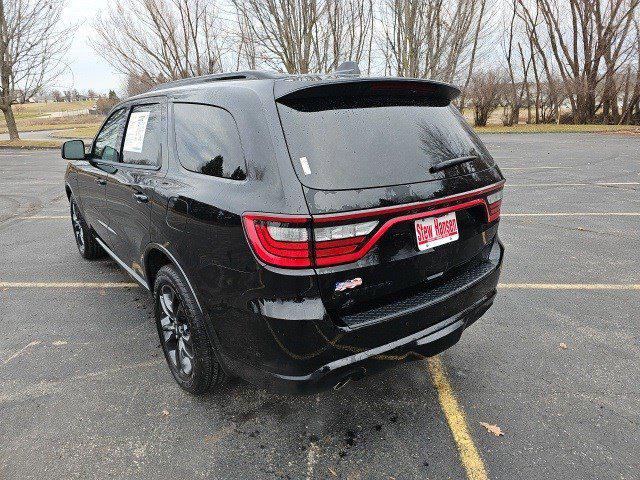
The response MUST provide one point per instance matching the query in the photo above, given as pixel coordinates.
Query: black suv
(296, 231)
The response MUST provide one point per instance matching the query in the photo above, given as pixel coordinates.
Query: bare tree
(547, 86)
(350, 24)
(484, 92)
(247, 48)
(517, 71)
(630, 110)
(583, 37)
(168, 39)
(431, 38)
(137, 84)
(304, 36)
(287, 32)
(474, 51)
(582, 53)
(32, 44)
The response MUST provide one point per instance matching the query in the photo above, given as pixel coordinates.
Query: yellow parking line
(44, 217)
(572, 214)
(571, 286)
(68, 285)
(473, 464)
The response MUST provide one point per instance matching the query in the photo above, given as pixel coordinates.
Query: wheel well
(156, 259)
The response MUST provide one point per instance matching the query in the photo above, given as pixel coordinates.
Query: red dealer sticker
(434, 231)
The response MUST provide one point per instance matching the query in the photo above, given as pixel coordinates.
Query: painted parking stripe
(572, 214)
(44, 217)
(29, 181)
(68, 285)
(21, 351)
(469, 456)
(549, 167)
(570, 286)
(577, 184)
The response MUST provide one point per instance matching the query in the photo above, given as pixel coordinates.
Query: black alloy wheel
(183, 335)
(85, 238)
(78, 230)
(175, 331)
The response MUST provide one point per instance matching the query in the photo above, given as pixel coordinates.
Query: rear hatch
(364, 151)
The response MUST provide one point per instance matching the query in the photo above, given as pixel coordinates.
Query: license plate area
(434, 231)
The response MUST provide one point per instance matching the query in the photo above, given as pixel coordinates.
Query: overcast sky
(86, 69)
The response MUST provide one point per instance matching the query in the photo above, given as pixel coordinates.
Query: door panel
(92, 176)
(130, 186)
(129, 214)
(92, 198)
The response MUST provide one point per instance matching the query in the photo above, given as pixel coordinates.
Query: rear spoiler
(308, 88)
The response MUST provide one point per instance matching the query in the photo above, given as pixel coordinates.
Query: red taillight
(278, 240)
(297, 241)
(331, 248)
(284, 241)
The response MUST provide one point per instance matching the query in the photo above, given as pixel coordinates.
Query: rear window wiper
(451, 162)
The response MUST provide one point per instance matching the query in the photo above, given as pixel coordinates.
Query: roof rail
(215, 77)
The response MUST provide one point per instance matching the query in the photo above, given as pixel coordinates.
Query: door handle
(101, 181)
(141, 197)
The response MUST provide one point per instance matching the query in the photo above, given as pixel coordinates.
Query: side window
(107, 144)
(143, 138)
(208, 142)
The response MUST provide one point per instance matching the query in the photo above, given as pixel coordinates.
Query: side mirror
(73, 150)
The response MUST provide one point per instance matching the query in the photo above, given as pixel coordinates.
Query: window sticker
(305, 165)
(135, 132)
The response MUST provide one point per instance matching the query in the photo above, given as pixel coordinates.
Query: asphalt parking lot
(555, 363)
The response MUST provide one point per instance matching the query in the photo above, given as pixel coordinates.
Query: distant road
(41, 135)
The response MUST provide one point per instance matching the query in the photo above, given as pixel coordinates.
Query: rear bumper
(306, 356)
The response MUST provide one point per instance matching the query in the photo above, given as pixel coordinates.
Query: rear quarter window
(208, 142)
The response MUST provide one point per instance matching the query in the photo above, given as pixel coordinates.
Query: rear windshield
(341, 143)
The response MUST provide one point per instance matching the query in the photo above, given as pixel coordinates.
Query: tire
(183, 334)
(85, 238)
